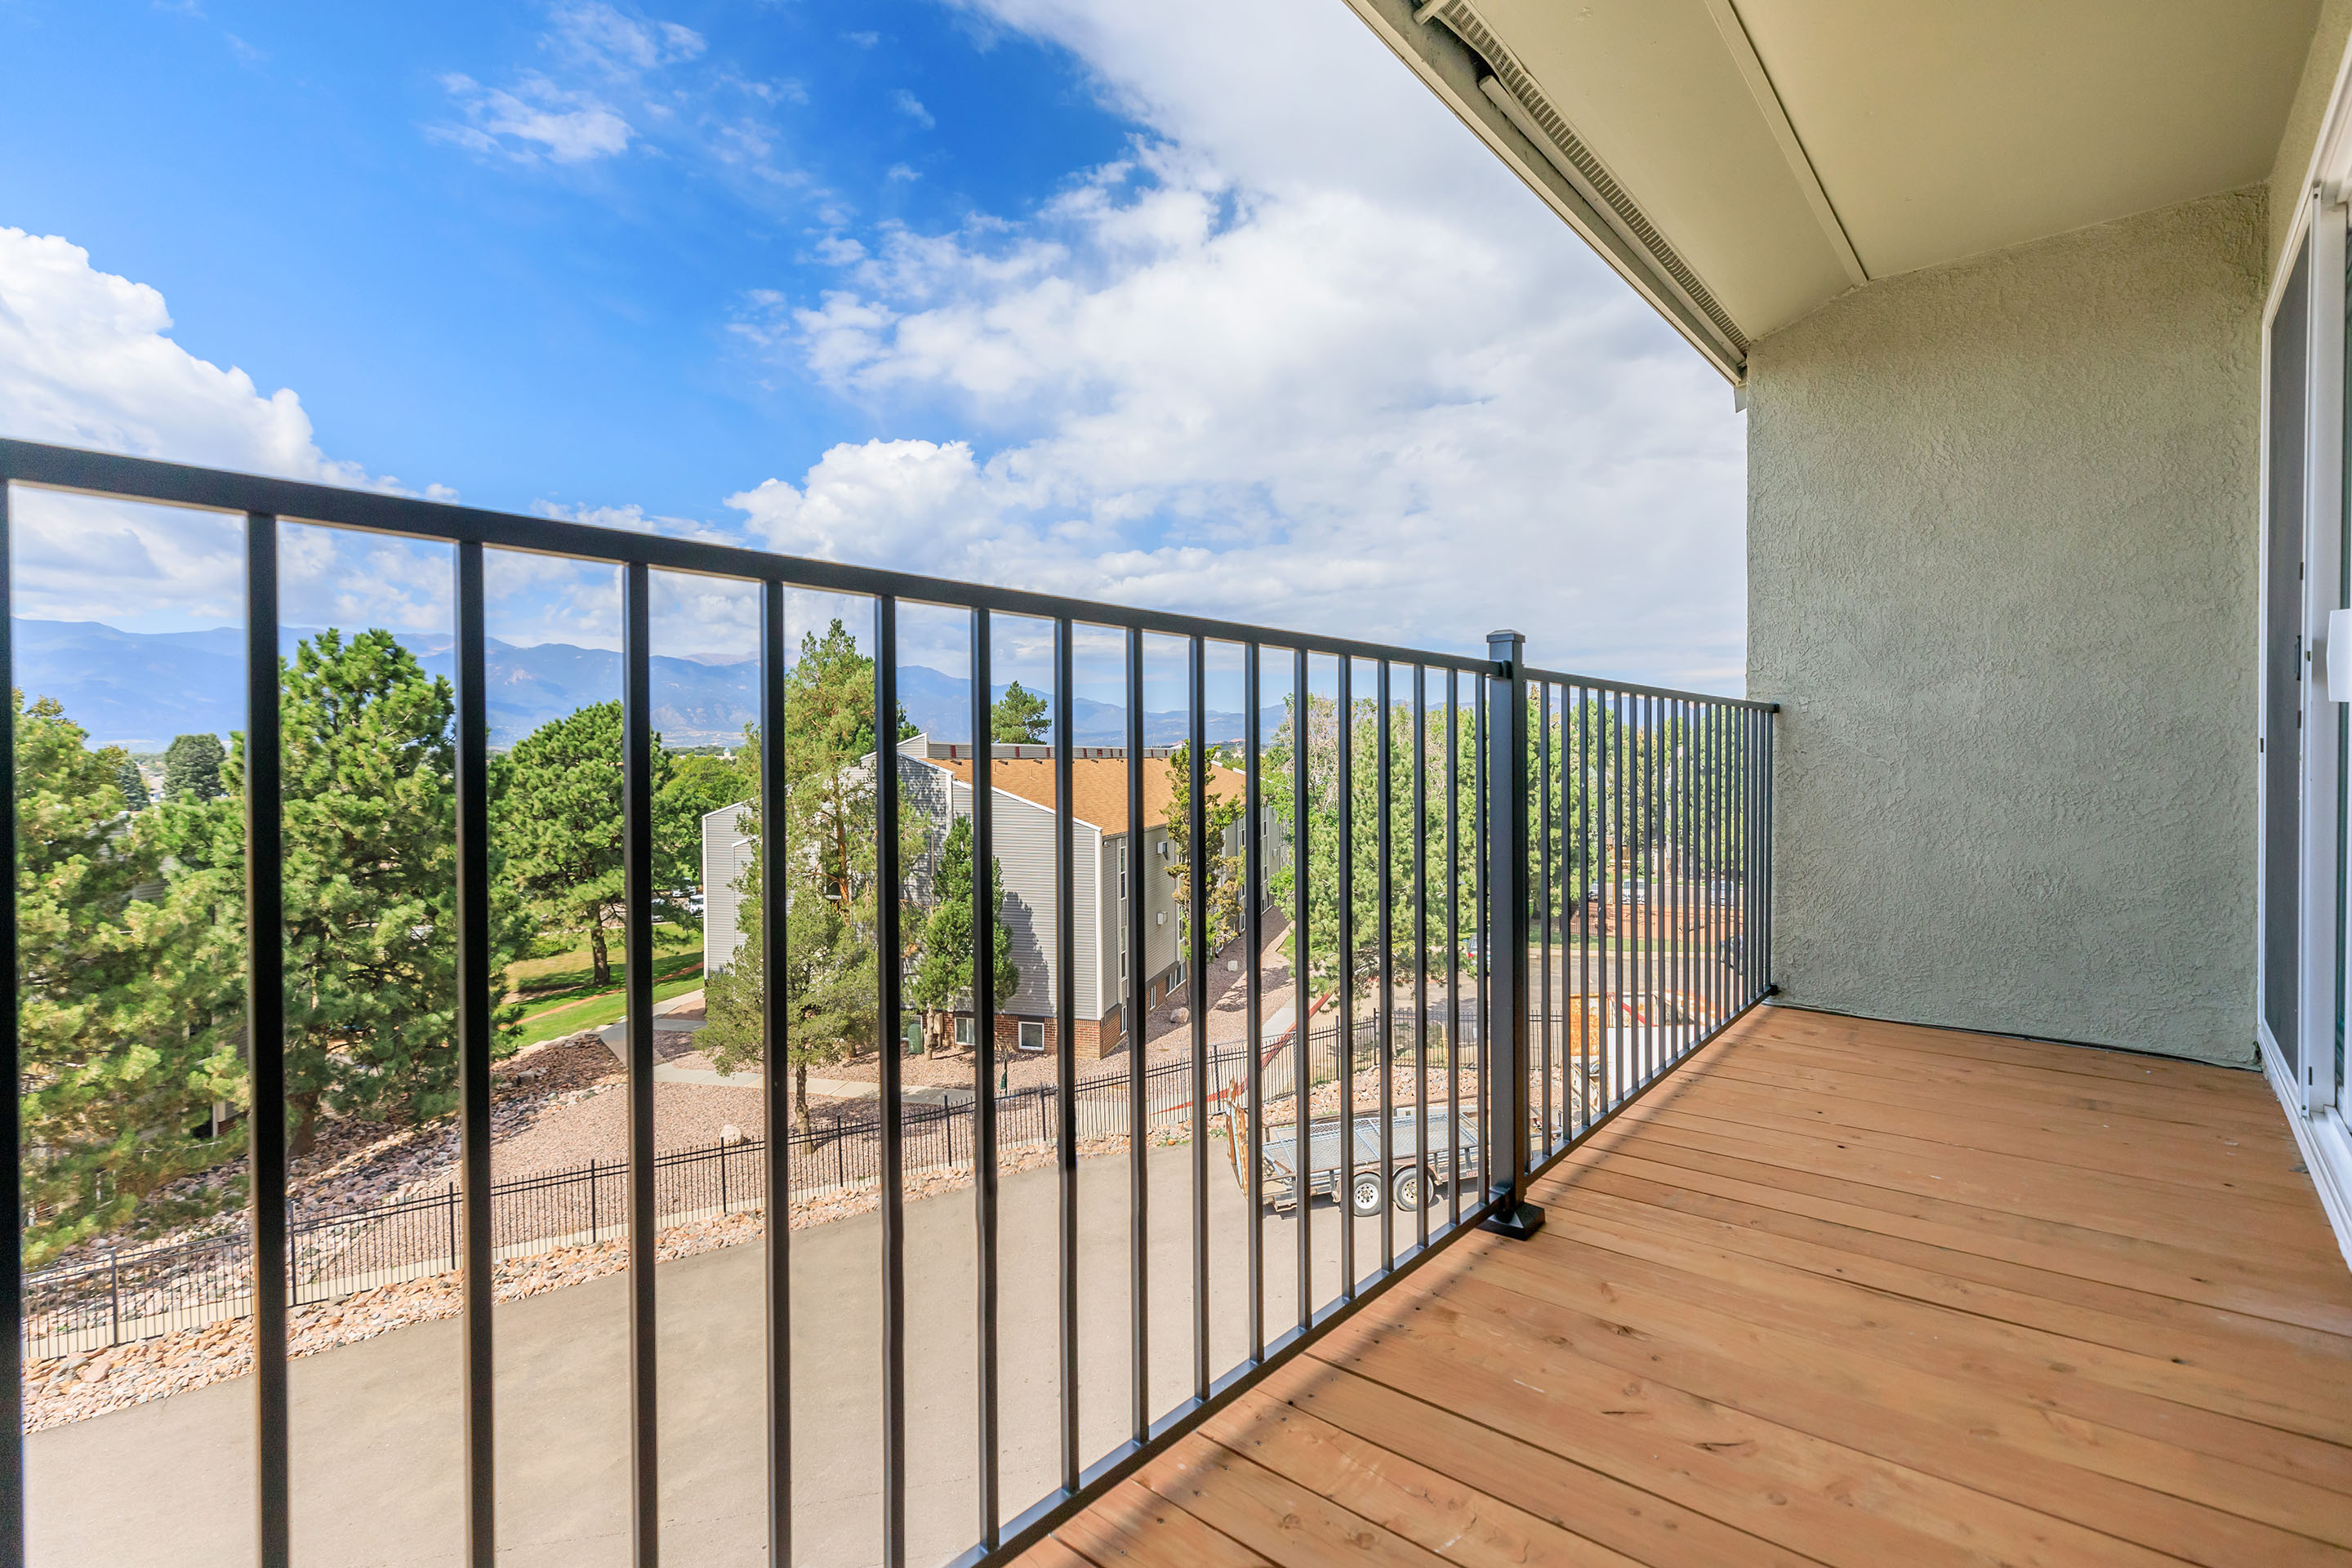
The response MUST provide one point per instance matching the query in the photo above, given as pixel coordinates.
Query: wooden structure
(1838, 1292)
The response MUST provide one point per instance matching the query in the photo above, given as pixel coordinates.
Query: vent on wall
(1511, 81)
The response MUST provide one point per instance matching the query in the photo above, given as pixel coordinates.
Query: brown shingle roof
(1097, 786)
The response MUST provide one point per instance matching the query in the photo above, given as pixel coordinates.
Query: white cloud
(537, 118)
(908, 104)
(1309, 357)
(86, 359)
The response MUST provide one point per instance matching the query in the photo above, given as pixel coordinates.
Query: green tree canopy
(829, 960)
(133, 785)
(370, 868)
(946, 944)
(560, 827)
(129, 1010)
(1221, 812)
(1019, 718)
(192, 768)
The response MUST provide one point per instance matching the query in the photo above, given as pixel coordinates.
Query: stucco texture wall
(2001, 566)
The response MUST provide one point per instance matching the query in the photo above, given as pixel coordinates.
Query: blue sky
(1072, 294)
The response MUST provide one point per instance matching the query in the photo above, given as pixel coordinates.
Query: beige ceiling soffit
(1513, 90)
(1776, 115)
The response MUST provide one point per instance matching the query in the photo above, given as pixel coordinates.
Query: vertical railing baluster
(889, 963)
(1066, 1063)
(12, 1173)
(637, 938)
(1545, 763)
(1384, 926)
(476, 1034)
(1424, 1167)
(984, 912)
(1197, 972)
(264, 1012)
(1253, 1003)
(1453, 946)
(1764, 852)
(1344, 707)
(1139, 1112)
(1506, 922)
(1482, 837)
(775, 1068)
(1302, 1159)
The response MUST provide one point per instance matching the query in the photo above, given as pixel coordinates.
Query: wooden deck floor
(1841, 1292)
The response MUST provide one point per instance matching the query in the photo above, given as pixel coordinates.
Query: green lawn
(560, 994)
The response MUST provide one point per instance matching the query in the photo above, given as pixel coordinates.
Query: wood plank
(1642, 1525)
(1973, 1269)
(1281, 1520)
(1999, 1081)
(2139, 1265)
(2054, 1056)
(1664, 1234)
(1135, 1525)
(2246, 1228)
(1459, 1522)
(2224, 1167)
(1814, 1496)
(1769, 1065)
(1051, 1553)
(1927, 1412)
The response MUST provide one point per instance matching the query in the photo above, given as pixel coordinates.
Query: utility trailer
(1407, 1179)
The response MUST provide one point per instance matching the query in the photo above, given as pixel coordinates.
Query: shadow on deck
(1844, 1292)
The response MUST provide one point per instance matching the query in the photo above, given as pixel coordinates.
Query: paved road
(376, 1457)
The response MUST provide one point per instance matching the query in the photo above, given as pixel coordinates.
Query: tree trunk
(303, 1136)
(596, 953)
(801, 1124)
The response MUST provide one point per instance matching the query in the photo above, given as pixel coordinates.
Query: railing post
(1506, 932)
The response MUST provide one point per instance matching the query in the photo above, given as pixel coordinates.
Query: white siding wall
(726, 855)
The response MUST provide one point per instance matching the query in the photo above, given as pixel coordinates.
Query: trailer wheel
(1366, 1194)
(1410, 1185)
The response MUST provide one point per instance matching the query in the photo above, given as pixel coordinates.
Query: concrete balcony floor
(1838, 1292)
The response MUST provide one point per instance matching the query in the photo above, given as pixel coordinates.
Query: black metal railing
(1560, 855)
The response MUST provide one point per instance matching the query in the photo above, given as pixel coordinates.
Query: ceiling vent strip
(1466, 23)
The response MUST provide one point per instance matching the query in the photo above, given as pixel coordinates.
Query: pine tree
(561, 830)
(369, 869)
(946, 944)
(127, 779)
(129, 1008)
(1222, 811)
(830, 973)
(192, 768)
(1019, 718)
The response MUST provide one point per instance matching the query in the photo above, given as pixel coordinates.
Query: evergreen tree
(369, 868)
(128, 780)
(830, 975)
(561, 830)
(128, 1010)
(192, 768)
(947, 944)
(1019, 718)
(1222, 811)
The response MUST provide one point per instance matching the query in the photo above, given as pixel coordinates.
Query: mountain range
(138, 689)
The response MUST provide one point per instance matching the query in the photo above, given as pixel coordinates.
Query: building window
(1032, 1037)
(963, 1033)
(1122, 881)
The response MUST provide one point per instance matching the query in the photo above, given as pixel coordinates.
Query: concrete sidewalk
(376, 1457)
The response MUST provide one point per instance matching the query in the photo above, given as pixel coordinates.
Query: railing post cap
(1506, 644)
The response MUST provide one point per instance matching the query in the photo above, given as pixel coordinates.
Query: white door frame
(2312, 1097)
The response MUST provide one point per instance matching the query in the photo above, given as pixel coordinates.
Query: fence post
(591, 1200)
(449, 1206)
(113, 1298)
(723, 1177)
(1505, 1047)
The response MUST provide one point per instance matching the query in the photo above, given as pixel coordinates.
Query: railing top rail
(114, 475)
(1632, 689)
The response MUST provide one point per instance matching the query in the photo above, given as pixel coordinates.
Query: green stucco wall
(2002, 576)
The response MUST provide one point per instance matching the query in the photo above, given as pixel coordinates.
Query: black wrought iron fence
(1496, 829)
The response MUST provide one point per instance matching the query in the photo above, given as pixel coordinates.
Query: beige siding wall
(2002, 571)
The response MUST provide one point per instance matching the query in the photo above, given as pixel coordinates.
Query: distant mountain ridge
(138, 689)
